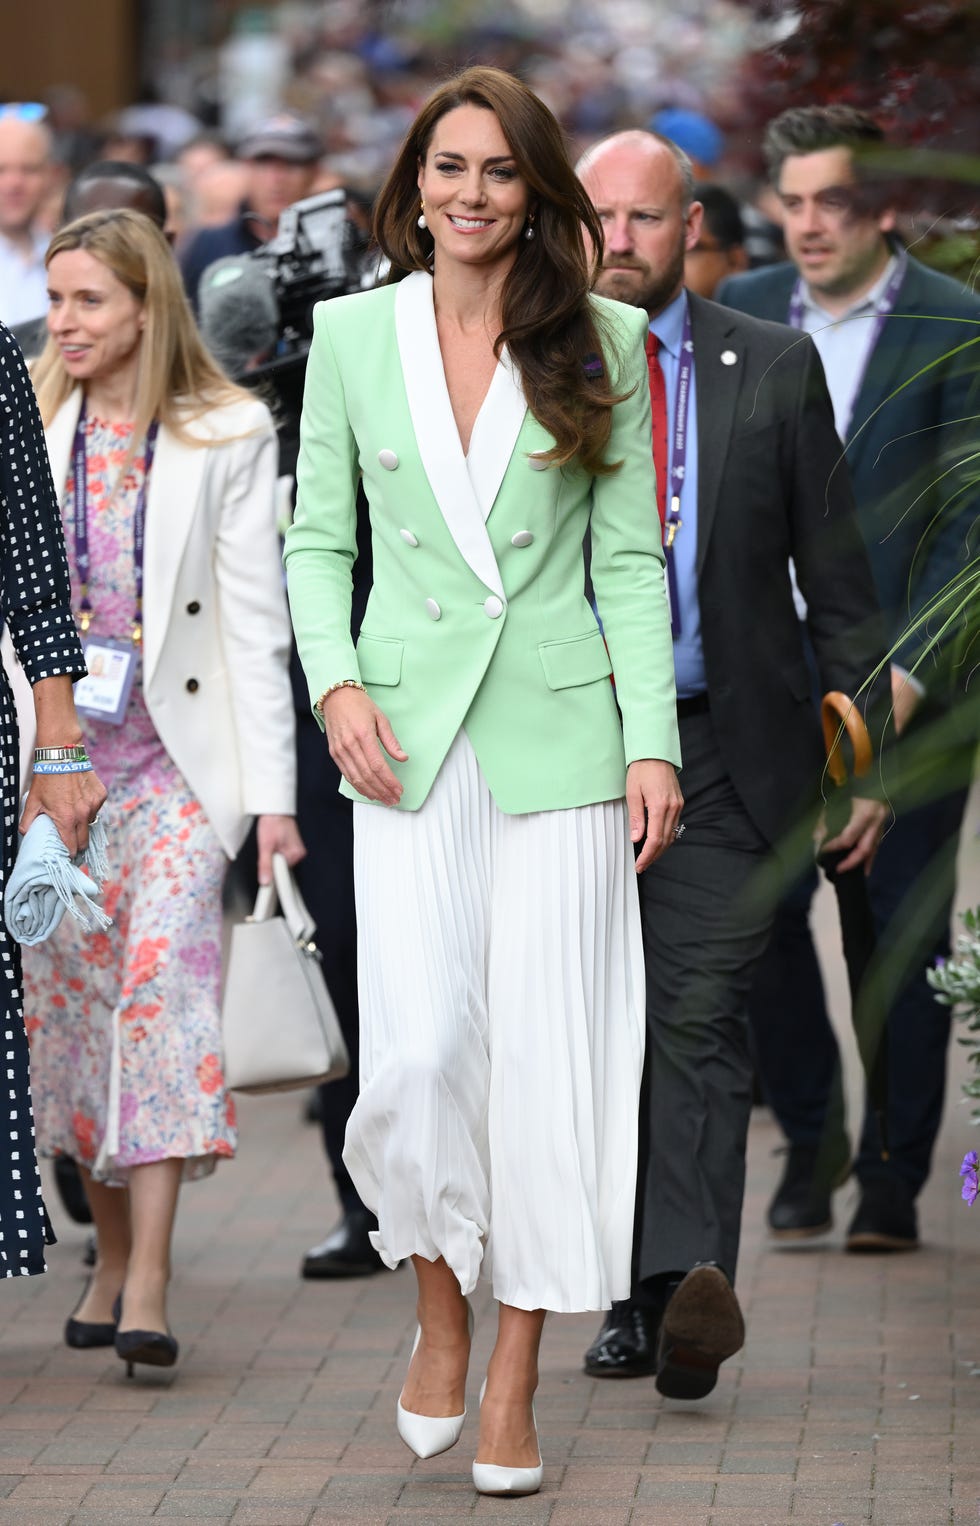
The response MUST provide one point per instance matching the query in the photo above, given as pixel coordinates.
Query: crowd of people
(595, 498)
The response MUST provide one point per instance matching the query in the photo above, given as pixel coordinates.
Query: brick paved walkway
(857, 1398)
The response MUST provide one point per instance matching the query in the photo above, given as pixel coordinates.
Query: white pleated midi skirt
(500, 969)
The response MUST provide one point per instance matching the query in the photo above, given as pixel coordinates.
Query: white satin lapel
(59, 438)
(171, 502)
(435, 429)
(495, 432)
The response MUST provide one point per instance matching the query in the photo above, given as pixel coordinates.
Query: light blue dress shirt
(844, 345)
(688, 653)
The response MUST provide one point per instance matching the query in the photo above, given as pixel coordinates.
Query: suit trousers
(704, 931)
(501, 994)
(912, 887)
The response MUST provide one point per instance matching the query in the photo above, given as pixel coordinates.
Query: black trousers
(912, 888)
(704, 932)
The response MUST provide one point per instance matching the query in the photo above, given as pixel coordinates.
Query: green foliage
(956, 982)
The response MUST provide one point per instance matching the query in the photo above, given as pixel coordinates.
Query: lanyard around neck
(80, 524)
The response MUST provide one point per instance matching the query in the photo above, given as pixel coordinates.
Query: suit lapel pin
(728, 357)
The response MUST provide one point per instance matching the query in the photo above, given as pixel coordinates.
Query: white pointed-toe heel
(428, 1435)
(491, 1478)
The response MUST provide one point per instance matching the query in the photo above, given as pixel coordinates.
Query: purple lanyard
(884, 307)
(80, 524)
(677, 466)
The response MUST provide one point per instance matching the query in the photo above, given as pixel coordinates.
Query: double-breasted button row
(493, 608)
(521, 539)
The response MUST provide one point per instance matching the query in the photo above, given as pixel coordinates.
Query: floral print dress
(124, 1025)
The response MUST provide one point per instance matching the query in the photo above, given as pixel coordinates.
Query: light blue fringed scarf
(46, 881)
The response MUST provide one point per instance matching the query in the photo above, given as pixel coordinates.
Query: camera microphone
(239, 312)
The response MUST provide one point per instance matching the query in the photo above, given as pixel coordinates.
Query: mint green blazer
(477, 616)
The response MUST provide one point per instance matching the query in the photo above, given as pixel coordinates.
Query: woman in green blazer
(495, 412)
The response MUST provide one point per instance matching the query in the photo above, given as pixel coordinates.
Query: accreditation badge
(104, 694)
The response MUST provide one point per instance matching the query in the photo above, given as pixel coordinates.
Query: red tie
(658, 407)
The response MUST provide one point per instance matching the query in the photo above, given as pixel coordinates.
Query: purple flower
(969, 1173)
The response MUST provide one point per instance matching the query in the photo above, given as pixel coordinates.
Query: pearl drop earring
(529, 230)
(421, 217)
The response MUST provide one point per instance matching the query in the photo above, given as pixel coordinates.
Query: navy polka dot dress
(35, 602)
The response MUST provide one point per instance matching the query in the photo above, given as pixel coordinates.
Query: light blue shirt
(688, 652)
(23, 281)
(844, 345)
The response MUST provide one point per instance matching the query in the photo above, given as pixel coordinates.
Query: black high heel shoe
(84, 1334)
(154, 1348)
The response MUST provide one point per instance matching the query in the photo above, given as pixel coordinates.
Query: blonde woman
(166, 474)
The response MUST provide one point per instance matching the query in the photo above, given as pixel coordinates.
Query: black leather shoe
(153, 1348)
(801, 1205)
(886, 1219)
(347, 1251)
(701, 1327)
(83, 1334)
(626, 1345)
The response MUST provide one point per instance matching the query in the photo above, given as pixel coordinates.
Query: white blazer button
(536, 462)
(433, 610)
(408, 537)
(388, 459)
(522, 538)
(493, 607)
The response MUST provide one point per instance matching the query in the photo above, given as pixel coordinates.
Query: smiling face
(835, 240)
(637, 190)
(95, 320)
(476, 201)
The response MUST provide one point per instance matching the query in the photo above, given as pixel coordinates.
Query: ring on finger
(679, 831)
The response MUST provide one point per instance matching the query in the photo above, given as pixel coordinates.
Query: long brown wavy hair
(551, 329)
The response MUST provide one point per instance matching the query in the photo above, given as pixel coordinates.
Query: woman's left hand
(71, 800)
(654, 802)
(277, 834)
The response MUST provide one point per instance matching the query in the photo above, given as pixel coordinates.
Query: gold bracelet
(345, 683)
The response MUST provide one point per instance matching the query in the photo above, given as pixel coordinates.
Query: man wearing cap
(281, 157)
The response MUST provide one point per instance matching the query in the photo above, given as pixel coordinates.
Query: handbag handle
(284, 893)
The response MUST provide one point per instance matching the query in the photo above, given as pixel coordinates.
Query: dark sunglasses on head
(28, 111)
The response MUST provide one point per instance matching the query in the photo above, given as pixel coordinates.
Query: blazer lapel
(60, 437)
(495, 433)
(718, 383)
(171, 502)
(435, 429)
(886, 369)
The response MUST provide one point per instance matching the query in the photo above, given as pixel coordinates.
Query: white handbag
(279, 1026)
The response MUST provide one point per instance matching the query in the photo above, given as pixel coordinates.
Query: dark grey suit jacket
(912, 430)
(768, 490)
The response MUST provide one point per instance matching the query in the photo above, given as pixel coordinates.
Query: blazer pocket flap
(578, 660)
(379, 659)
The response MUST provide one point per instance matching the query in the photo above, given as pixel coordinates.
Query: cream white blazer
(215, 625)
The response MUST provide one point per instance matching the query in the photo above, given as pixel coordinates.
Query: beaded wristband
(75, 754)
(63, 768)
(345, 683)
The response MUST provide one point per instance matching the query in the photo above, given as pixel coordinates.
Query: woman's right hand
(356, 732)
